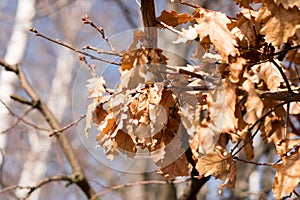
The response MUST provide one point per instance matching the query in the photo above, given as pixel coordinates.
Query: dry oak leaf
(246, 3)
(214, 25)
(99, 114)
(270, 75)
(254, 104)
(279, 23)
(283, 146)
(245, 24)
(173, 18)
(287, 175)
(237, 69)
(230, 121)
(96, 89)
(288, 3)
(179, 167)
(249, 148)
(218, 164)
(125, 143)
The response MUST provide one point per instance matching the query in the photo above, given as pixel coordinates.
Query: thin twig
(252, 162)
(101, 51)
(56, 41)
(286, 119)
(38, 185)
(21, 119)
(249, 140)
(253, 125)
(90, 66)
(54, 132)
(189, 4)
(87, 20)
(116, 187)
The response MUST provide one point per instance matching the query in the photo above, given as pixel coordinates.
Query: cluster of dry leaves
(251, 94)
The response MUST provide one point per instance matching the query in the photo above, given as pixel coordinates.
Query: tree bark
(14, 54)
(149, 21)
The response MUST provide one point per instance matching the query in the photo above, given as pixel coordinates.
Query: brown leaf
(287, 175)
(220, 165)
(173, 18)
(246, 3)
(214, 25)
(237, 69)
(125, 143)
(279, 23)
(229, 180)
(283, 146)
(134, 58)
(245, 24)
(248, 149)
(215, 163)
(106, 128)
(230, 121)
(99, 114)
(288, 3)
(271, 76)
(254, 104)
(165, 136)
(177, 168)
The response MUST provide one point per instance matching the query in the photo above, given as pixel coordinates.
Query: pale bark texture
(14, 54)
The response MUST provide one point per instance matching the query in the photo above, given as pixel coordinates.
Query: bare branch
(148, 182)
(281, 96)
(21, 119)
(252, 162)
(56, 41)
(38, 185)
(87, 20)
(101, 51)
(189, 4)
(54, 132)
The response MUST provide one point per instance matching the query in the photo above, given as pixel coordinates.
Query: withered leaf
(287, 175)
(288, 3)
(248, 149)
(99, 114)
(271, 75)
(215, 163)
(285, 145)
(173, 18)
(177, 168)
(125, 143)
(246, 3)
(214, 25)
(279, 23)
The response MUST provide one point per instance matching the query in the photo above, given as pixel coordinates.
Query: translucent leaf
(214, 25)
(287, 175)
(177, 168)
(286, 145)
(125, 143)
(271, 76)
(279, 23)
(214, 163)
